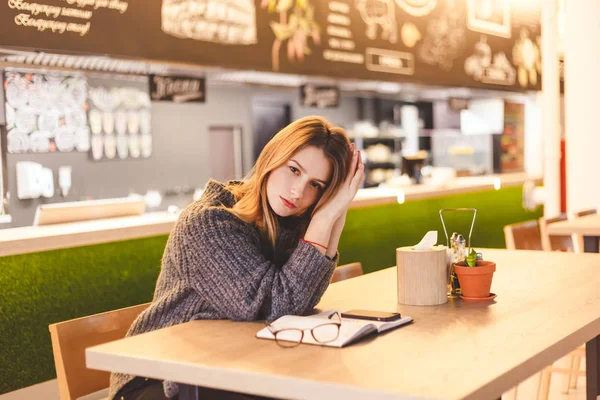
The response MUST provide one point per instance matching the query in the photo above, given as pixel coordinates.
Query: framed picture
(489, 16)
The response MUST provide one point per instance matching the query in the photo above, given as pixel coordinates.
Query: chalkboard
(471, 43)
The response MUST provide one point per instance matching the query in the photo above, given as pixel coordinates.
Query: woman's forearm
(326, 232)
(320, 231)
(336, 233)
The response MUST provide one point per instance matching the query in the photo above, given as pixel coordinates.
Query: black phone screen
(371, 315)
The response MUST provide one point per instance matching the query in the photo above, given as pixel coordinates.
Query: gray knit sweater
(215, 266)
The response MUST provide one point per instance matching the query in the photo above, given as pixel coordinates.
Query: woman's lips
(287, 203)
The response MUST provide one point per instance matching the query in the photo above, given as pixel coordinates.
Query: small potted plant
(475, 277)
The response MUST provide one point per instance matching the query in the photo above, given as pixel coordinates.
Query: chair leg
(568, 378)
(511, 394)
(574, 371)
(515, 392)
(544, 384)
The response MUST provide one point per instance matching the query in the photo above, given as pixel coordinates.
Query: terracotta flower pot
(475, 281)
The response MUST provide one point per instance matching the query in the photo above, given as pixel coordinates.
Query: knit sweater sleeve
(220, 255)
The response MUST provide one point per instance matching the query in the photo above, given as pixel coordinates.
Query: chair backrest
(554, 242)
(583, 213)
(71, 338)
(523, 236)
(578, 245)
(347, 271)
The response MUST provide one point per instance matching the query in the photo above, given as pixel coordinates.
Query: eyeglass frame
(275, 332)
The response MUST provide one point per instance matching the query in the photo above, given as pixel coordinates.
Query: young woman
(256, 249)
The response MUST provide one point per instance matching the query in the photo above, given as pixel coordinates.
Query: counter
(377, 196)
(50, 237)
(31, 239)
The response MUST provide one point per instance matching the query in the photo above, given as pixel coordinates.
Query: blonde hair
(252, 204)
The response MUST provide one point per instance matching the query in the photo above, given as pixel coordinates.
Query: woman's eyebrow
(304, 171)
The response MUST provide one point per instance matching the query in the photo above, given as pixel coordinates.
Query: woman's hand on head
(341, 200)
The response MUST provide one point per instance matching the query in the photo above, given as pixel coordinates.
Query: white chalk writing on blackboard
(45, 17)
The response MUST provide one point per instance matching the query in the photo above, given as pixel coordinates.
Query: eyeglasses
(324, 333)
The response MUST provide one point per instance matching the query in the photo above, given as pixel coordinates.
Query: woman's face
(299, 182)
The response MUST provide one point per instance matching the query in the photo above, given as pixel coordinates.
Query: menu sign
(319, 96)
(177, 89)
(473, 43)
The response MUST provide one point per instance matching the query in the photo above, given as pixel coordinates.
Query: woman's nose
(297, 190)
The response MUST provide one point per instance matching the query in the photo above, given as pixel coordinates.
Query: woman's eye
(293, 169)
(317, 186)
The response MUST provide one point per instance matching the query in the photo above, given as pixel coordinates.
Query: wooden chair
(578, 239)
(571, 374)
(574, 370)
(523, 236)
(71, 338)
(554, 242)
(347, 271)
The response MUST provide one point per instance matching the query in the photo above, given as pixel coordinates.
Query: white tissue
(428, 241)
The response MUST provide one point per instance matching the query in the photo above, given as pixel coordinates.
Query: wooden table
(588, 226)
(547, 305)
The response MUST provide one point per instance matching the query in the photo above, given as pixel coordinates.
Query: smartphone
(372, 315)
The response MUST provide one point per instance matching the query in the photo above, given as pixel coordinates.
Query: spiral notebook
(351, 330)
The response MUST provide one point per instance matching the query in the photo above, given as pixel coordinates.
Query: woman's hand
(341, 200)
(327, 223)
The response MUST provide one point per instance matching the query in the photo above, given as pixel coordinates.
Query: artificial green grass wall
(42, 288)
(372, 234)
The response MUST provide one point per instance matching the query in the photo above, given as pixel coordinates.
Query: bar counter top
(377, 196)
(32, 239)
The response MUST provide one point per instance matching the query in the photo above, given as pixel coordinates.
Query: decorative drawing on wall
(120, 123)
(527, 58)
(295, 27)
(445, 38)
(417, 8)
(410, 34)
(485, 68)
(382, 13)
(219, 21)
(45, 113)
(489, 16)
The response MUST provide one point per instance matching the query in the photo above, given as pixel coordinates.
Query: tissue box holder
(422, 276)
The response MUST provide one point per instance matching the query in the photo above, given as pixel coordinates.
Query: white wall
(582, 85)
(484, 117)
(534, 139)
